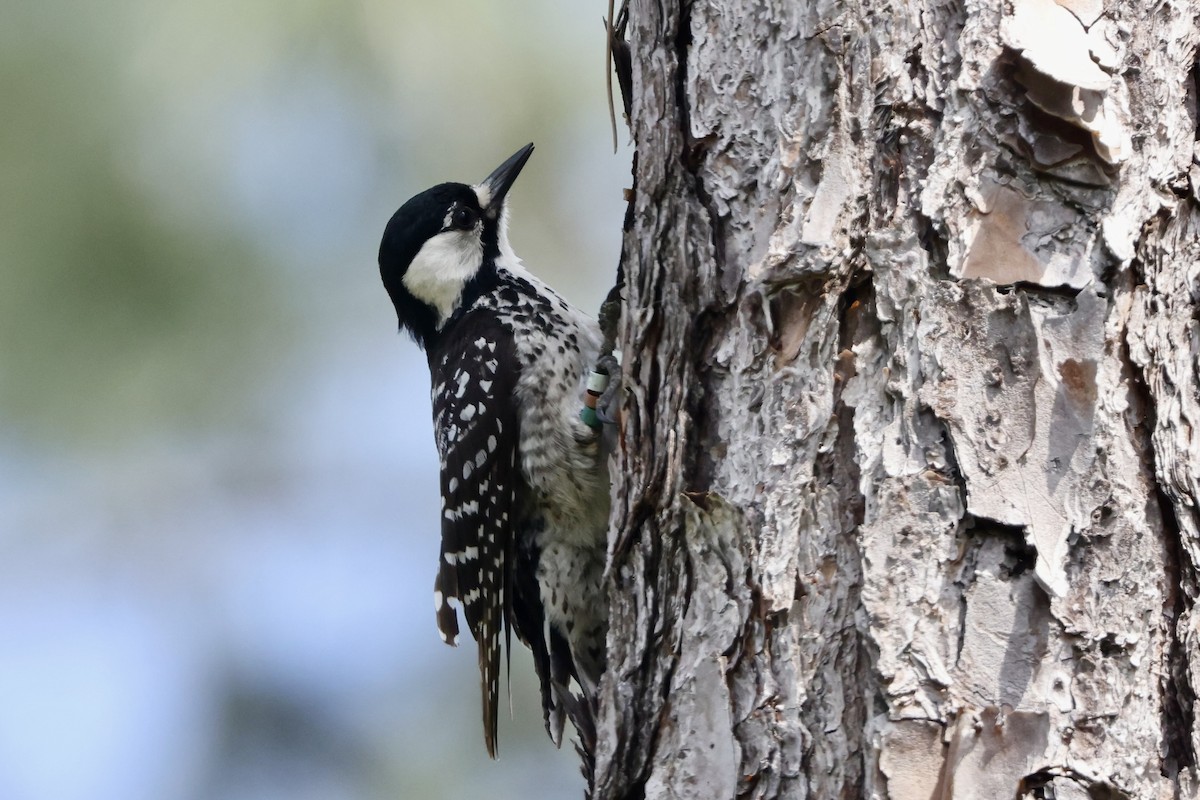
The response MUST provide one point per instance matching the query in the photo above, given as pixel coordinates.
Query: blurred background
(218, 486)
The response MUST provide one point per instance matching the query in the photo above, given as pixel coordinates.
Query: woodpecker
(524, 482)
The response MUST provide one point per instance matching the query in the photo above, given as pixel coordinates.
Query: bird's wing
(475, 425)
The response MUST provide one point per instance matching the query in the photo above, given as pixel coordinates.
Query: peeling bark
(906, 497)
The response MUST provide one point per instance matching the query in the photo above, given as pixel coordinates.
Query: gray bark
(906, 498)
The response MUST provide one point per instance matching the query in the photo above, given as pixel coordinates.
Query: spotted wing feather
(475, 426)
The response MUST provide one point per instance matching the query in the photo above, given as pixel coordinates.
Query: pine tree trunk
(907, 490)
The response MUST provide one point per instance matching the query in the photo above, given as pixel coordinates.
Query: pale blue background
(218, 490)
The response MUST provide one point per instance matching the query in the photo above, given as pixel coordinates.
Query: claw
(608, 407)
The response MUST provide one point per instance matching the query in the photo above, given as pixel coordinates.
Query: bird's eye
(463, 218)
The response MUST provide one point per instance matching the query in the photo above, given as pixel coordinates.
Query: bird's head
(443, 243)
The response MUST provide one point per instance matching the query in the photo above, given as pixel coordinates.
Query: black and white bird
(524, 482)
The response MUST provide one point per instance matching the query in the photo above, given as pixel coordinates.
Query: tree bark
(906, 497)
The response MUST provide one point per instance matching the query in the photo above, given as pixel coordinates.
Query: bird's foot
(608, 406)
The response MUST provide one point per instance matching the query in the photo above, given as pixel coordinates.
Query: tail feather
(489, 674)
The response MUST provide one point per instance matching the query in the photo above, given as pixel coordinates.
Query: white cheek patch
(485, 198)
(441, 268)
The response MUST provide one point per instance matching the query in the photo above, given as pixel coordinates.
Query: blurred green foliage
(116, 313)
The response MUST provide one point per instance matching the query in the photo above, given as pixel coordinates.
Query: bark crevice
(1179, 697)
